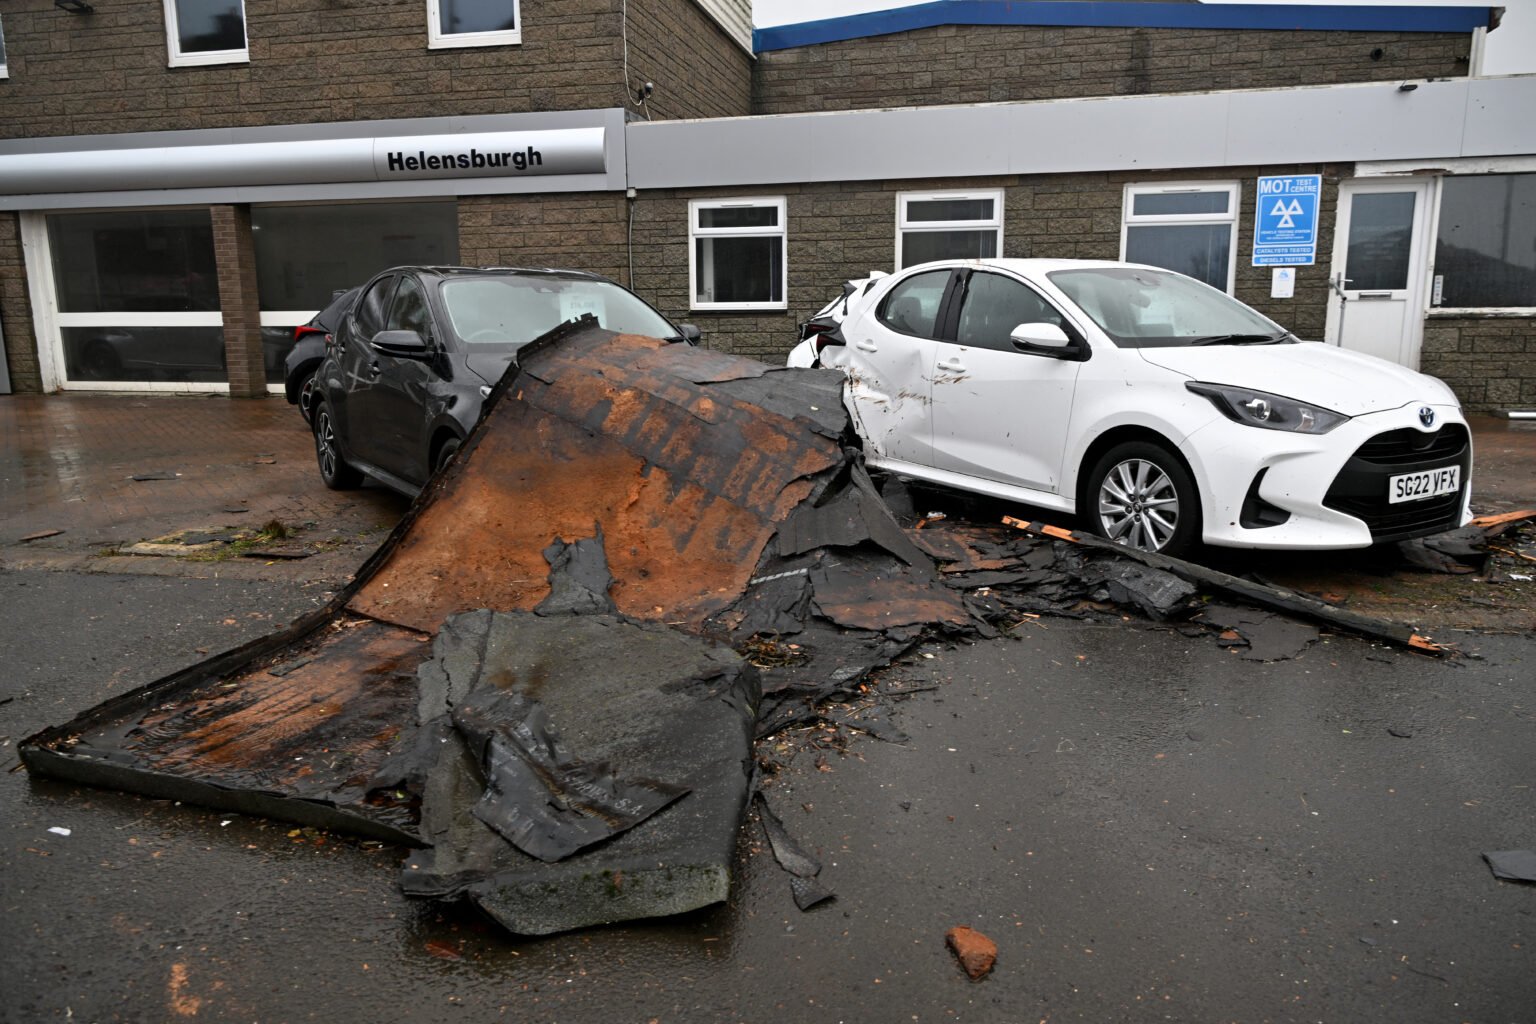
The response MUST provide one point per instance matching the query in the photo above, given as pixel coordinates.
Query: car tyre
(335, 471)
(445, 453)
(307, 399)
(1139, 494)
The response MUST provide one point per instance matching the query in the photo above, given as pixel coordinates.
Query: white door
(1380, 264)
(1001, 414)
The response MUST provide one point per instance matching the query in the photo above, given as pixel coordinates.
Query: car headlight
(1272, 412)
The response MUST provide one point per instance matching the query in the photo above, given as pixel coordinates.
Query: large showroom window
(1485, 255)
(300, 267)
(737, 259)
(473, 23)
(205, 32)
(137, 296)
(1191, 229)
(948, 226)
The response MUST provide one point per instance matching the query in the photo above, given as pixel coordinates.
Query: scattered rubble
(1513, 865)
(801, 866)
(976, 953)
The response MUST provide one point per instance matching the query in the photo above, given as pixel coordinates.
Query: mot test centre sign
(1285, 221)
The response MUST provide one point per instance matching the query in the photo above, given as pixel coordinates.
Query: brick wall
(310, 61)
(235, 254)
(16, 309)
(580, 230)
(1490, 362)
(839, 231)
(977, 64)
(697, 69)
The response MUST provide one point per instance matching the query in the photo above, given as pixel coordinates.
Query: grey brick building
(175, 197)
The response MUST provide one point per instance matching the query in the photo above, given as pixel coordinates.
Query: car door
(1000, 413)
(363, 412)
(888, 357)
(400, 395)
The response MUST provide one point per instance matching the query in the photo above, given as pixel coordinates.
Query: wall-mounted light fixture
(74, 6)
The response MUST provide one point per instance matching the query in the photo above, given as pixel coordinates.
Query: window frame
(695, 232)
(176, 59)
(437, 39)
(51, 322)
(1130, 219)
(904, 225)
(1437, 197)
(5, 67)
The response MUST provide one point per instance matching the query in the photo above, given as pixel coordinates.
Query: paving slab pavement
(107, 472)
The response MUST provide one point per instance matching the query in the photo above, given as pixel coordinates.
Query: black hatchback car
(417, 353)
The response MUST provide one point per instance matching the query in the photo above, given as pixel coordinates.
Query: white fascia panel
(1350, 123)
(734, 17)
(1346, 124)
(1499, 116)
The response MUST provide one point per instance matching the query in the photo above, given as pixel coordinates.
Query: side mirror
(689, 333)
(401, 344)
(1040, 336)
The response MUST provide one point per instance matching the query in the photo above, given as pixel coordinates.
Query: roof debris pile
(533, 680)
(518, 680)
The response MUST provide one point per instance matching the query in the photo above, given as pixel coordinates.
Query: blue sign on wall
(1285, 221)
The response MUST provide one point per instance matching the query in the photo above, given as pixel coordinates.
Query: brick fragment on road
(975, 951)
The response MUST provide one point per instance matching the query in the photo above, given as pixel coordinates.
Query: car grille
(1360, 489)
(1404, 447)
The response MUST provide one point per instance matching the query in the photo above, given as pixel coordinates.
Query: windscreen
(1142, 308)
(515, 309)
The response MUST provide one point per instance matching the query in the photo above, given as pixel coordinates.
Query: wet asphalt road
(1148, 826)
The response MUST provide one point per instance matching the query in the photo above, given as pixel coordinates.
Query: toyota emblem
(1426, 416)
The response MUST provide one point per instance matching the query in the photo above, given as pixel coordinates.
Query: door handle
(866, 346)
(952, 366)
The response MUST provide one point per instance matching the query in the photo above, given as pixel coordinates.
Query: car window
(994, 305)
(370, 311)
(912, 307)
(409, 310)
(516, 309)
(1143, 308)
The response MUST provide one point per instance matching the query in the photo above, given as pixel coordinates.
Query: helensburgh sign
(493, 154)
(321, 161)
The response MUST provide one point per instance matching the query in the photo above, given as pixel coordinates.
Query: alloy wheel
(1139, 505)
(325, 444)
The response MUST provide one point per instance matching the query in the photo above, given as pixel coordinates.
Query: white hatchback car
(1165, 411)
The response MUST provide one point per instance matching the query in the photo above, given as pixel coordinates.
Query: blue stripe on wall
(1122, 15)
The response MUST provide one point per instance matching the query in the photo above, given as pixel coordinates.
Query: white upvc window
(1188, 227)
(737, 254)
(473, 23)
(199, 32)
(948, 226)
